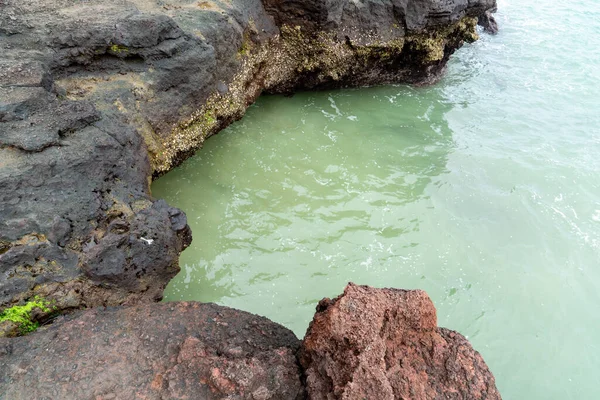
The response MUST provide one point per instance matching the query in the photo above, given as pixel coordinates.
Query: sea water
(483, 190)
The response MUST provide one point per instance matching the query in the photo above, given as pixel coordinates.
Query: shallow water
(483, 190)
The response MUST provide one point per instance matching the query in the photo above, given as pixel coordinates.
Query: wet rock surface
(385, 344)
(153, 351)
(97, 97)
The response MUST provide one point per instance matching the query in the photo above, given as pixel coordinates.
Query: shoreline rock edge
(366, 344)
(98, 97)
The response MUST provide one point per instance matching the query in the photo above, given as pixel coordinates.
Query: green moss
(118, 49)
(208, 118)
(246, 46)
(244, 49)
(468, 29)
(21, 315)
(432, 46)
(381, 51)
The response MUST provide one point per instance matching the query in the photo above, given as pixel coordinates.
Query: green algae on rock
(18, 320)
(433, 43)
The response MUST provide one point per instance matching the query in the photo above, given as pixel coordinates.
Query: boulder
(153, 351)
(365, 344)
(385, 344)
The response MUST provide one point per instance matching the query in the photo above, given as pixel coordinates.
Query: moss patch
(118, 49)
(4, 246)
(21, 315)
(246, 46)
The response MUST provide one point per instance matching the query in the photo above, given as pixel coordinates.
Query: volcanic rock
(99, 96)
(385, 344)
(153, 351)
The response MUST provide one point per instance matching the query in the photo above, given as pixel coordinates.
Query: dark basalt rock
(381, 20)
(97, 97)
(385, 344)
(488, 22)
(153, 351)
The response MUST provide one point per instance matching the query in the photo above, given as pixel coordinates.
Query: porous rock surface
(385, 344)
(152, 352)
(366, 344)
(98, 96)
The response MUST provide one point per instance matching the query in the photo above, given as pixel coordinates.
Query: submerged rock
(385, 344)
(153, 351)
(97, 97)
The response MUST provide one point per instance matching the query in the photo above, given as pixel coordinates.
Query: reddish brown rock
(385, 344)
(366, 344)
(154, 351)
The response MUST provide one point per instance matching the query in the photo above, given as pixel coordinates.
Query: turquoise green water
(483, 190)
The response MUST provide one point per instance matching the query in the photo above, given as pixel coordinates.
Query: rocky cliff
(96, 97)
